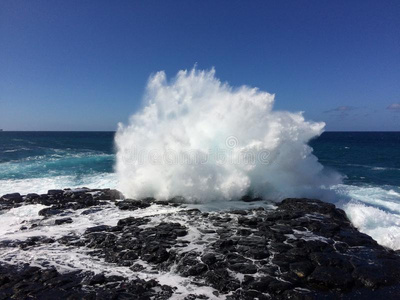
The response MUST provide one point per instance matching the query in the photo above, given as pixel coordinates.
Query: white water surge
(205, 140)
(374, 211)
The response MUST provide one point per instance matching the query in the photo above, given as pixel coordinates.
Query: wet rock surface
(61, 199)
(301, 249)
(36, 283)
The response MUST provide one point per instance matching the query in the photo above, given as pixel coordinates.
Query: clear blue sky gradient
(83, 65)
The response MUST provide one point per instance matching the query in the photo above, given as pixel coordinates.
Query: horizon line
(2, 130)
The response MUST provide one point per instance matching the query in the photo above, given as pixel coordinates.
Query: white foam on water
(383, 226)
(394, 193)
(386, 199)
(374, 211)
(379, 168)
(108, 215)
(205, 140)
(13, 219)
(42, 185)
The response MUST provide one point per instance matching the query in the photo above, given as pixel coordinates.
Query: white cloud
(394, 107)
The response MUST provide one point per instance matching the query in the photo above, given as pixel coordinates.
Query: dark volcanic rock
(189, 265)
(50, 211)
(98, 279)
(304, 249)
(34, 283)
(313, 206)
(310, 248)
(244, 268)
(10, 200)
(110, 194)
(302, 268)
(98, 228)
(55, 192)
(330, 277)
(13, 198)
(221, 280)
(209, 258)
(125, 243)
(153, 252)
(63, 221)
(63, 199)
(131, 204)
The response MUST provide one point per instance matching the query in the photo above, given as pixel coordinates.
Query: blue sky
(83, 65)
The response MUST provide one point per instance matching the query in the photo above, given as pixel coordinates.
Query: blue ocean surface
(369, 162)
(36, 161)
(365, 158)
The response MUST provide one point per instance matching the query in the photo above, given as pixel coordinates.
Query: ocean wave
(40, 165)
(42, 185)
(383, 226)
(62, 154)
(10, 151)
(374, 210)
(374, 168)
(387, 199)
(16, 150)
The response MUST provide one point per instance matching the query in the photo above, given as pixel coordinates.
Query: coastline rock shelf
(90, 244)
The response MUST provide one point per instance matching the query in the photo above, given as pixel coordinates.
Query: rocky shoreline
(149, 249)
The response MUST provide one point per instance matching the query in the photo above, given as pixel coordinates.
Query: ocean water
(37, 161)
(369, 162)
(370, 192)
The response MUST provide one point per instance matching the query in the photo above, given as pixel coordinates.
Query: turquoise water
(369, 161)
(31, 160)
(42, 154)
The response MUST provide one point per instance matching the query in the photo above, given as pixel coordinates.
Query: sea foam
(42, 184)
(373, 210)
(200, 138)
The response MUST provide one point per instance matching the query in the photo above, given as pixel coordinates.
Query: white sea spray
(205, 140)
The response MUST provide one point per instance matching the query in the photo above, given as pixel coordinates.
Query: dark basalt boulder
(50, 211)
(313, 206)
(90, 211)
(153, 252)
(220, 279)
(98, 279)
(209, 259)
(110, 194)
(55, 192)
(63, 221)
(97, 228)
(12, 198)
(132, 204)
(32, 196)
(190, 265)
